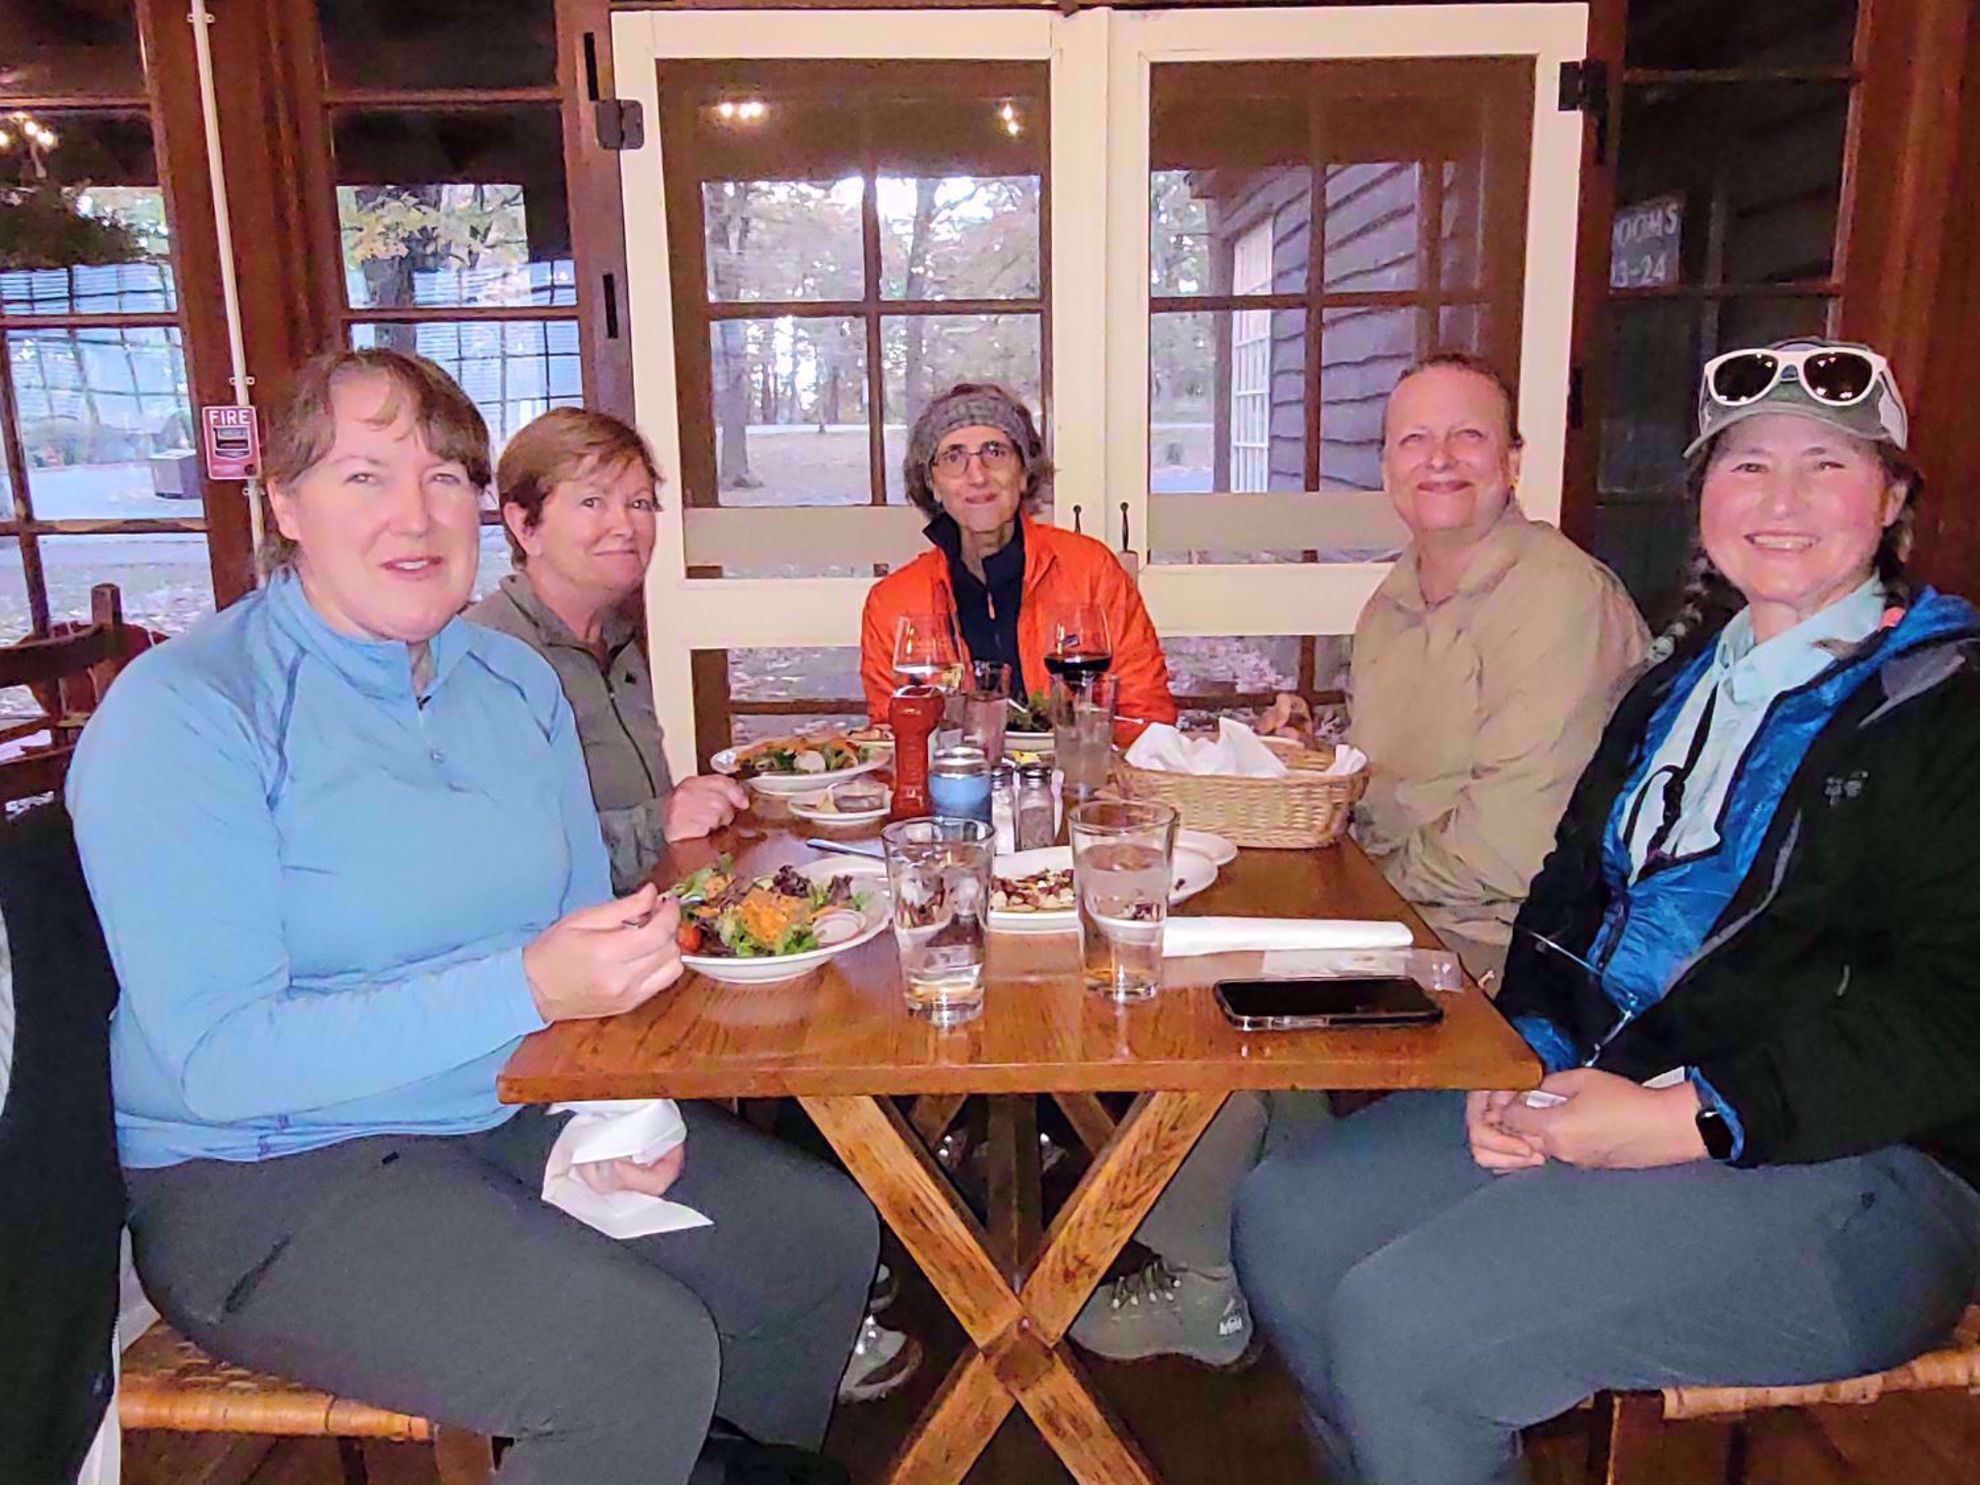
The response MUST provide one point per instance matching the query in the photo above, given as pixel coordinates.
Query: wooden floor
(1201, 1426)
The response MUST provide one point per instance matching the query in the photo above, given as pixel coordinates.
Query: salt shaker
(1036, 822)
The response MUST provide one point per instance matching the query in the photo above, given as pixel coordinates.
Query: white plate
(811, 807)
(844, 928)
(1192, 874)
(1028, 742)
(724, 762)
(1220, 851)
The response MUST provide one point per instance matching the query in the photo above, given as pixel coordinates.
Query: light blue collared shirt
(316, 883)
(1746, 678)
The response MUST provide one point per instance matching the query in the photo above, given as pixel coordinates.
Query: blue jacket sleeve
(179, 845)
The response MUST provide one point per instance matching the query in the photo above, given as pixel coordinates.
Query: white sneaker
(1164, 1311)
(886, 1289)
(882, 1362)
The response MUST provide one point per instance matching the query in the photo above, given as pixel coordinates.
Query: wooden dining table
(882, 1085)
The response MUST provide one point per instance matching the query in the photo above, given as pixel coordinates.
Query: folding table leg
(1020, 1355)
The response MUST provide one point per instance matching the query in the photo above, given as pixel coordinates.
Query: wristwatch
(1717, 1134)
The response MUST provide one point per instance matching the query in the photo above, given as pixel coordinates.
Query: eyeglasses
(994, 453)
(1835, 377)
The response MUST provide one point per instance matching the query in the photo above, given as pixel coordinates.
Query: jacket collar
(516, 588)
(1039, 552)
(380, 668)
(1497, 550)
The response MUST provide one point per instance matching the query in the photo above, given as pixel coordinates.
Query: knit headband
(968, 410)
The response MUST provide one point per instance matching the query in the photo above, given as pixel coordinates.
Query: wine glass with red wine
(1080, 647)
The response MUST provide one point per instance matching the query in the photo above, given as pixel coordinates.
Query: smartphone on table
(1334, 1001)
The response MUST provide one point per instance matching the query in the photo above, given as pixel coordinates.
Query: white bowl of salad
(752, 930)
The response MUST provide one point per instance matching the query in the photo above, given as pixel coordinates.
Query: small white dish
(1218, 850)
(1040, 743)
(838, 930)
(824, 808)
(1192, 874)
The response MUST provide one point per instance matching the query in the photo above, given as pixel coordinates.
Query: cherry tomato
(689, 938)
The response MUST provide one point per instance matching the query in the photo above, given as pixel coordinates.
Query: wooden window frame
(169, 105)
(695, 312)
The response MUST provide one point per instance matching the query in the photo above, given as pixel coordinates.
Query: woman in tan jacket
(1484, 669)
(1484, 666)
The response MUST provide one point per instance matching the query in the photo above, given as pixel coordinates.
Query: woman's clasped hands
(1602, 1122)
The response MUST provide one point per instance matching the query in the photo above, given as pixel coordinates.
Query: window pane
(1656, 352)
(448, 209)
(514, 370)
(1374, 227)
(779, 673)
(106, 422)
(439, 43)
(783, 239)
(76, 46)
(928, 354)
(959, 236)
(791, 673)
(90, 237)
(1245, 234)
(1728, 183)
(164, 577)
(790, 412)
(1214, 665)
(1227, 401)
(1362, 353)
(1420, 169)
(496, 562)
(1754, 33)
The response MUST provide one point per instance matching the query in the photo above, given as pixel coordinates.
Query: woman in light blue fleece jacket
(345, 856)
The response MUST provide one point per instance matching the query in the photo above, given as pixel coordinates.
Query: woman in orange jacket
(974, 463)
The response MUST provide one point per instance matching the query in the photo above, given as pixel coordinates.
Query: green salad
(727, 916)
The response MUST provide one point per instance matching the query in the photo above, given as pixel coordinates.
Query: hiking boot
(882, 1362)
(1163, 1311)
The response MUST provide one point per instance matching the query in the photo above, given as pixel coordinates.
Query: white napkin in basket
(1184, 938)
(1236, 751)
(641, 1129)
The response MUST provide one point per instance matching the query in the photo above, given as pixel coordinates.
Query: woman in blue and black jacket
(1751, 966)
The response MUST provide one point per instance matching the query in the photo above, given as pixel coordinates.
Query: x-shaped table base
(1016, 1322)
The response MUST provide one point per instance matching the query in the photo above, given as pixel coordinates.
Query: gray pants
(427, 1275)
(1190, 1224)
(1429, 1310)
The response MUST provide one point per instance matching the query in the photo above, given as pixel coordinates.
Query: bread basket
(1308, 807)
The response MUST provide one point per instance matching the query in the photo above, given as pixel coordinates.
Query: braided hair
(1709, 599)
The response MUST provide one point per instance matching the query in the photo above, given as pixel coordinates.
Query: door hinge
(1585, 90)
(621, 125)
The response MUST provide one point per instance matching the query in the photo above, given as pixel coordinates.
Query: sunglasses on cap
(1836, 376)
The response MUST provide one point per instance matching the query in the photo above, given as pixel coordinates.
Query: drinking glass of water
(939, 870)
(986, 706)
(1123, 855)
(1083, 734)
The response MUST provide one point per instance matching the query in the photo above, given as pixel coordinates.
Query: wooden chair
(1623, 1444)
(67, 672)
(169, 1383)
